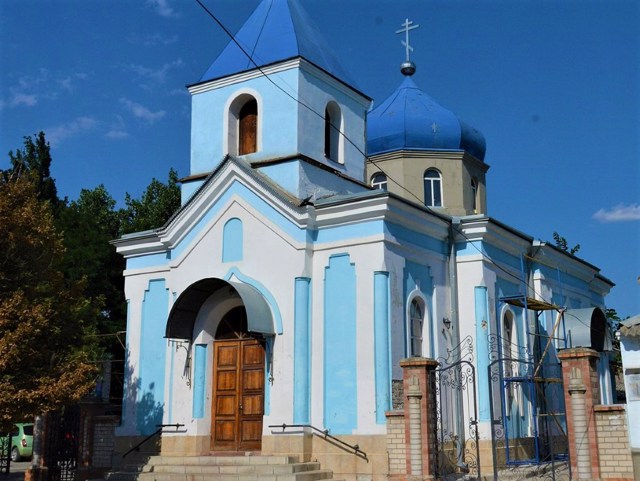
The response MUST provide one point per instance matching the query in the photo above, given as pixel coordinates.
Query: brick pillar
(419, 416)
(581, 394)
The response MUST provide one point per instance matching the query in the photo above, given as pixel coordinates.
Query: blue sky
(553, 85)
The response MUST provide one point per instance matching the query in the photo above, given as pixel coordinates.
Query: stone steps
(222, 468)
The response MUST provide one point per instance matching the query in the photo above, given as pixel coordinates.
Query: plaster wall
(277, 121)
(316, 91)
(457, 170)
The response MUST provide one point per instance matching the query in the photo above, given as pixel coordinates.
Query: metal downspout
(453, 282)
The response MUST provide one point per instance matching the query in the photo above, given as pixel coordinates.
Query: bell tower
(278, 99)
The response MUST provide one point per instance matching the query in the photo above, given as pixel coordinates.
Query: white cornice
(299, 63)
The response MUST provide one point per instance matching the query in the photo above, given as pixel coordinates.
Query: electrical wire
(366, 157)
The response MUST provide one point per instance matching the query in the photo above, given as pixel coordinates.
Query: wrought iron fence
(5, 453)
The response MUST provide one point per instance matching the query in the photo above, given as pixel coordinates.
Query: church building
(320, 243)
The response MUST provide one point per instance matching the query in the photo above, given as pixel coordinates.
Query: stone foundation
(344, 464)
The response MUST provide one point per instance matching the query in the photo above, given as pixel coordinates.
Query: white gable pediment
(231, 188)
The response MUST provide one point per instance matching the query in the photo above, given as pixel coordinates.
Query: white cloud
(117, 129)
(162, 7)
(18, 98)
(142, 112)
(55, 135)
(619, 213)
(157, 75)
(117, 134)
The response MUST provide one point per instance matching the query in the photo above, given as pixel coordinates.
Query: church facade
(320, 242)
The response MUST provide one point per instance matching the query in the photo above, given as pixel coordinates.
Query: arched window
(474, 195)
(511, 364)
(416, 323)
(248, 128)
(379, 181)
(432, 188)
(332, 127)
(232, 241)
(243, 125)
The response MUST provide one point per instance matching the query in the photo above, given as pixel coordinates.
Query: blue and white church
(320, 242)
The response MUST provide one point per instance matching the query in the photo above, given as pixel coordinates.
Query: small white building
(630, 349)
(287, 288)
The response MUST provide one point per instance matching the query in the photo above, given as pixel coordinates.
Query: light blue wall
(187, 189)
(153, 348)
(302, 352)
(403, 234)
(232, 241)
(277, 113)
(340, 360)
(199, 380)
(381, 344)
(302, 180)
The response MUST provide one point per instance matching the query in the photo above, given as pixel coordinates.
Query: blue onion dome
(409, 119)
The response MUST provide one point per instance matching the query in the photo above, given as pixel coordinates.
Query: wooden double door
(238, 395)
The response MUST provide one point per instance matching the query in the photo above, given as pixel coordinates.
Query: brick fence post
(581, 394)
(419, 416)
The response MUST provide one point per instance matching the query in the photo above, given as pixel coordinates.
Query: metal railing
(155, 433)
(324, 433)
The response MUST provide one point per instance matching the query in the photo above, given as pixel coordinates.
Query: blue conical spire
(276, 31)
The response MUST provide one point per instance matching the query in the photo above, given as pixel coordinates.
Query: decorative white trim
(268, 70)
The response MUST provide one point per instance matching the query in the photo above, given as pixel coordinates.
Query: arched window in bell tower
(248, 128)
(332, 128)
(432, 188)
(474, 195)
(243, 125)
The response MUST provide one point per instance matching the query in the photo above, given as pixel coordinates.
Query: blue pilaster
(482, 345)
(340, 359)
(381, 344)
(302, 353)
(153, 348)
(199, 380)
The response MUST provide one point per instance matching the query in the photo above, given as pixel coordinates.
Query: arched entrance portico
(235, 320)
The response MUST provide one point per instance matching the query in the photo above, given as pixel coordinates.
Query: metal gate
(456, 426)
(5, 453)
(528, 423)
(62, 444)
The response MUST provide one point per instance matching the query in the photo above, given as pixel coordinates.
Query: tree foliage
(158, 202)
(88, 224)
(34, 161)
(562, 244)
(44, 355)
(61, 285)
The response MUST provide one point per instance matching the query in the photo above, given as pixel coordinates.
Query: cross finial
(407, 27)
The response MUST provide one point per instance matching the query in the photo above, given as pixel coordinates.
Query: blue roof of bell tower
(409, 119)
(276, 31)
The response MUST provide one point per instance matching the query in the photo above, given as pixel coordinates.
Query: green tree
(88, 224)
(561, 243)
(158, 203)
(44, 355)
(34, 160)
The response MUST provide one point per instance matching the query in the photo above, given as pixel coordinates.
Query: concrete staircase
(222, 468)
